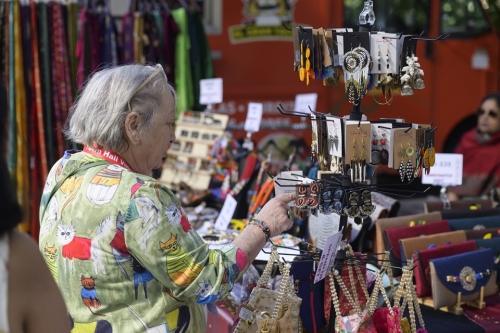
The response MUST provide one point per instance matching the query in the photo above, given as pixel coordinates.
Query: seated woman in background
(481, 150)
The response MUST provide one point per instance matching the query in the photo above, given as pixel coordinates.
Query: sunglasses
(490, 113)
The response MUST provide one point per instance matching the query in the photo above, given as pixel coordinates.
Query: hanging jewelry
(314, 190)
(367, 208)
(432, 155)
(308, 64)
(354, 162)
(375, 151)
(407, 77)
(325, 206)
(409, 167)
(379, 60)
(362, 162)
(336, 205)
(352, 210)
(384, 153)
(402, 169)
(302, 70)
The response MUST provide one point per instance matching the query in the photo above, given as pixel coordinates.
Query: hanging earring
(336, 204)
(313, 147)
(362, 162)
(352, 210)
(379, 60)
(407, 77)
(402, 169)
(354, 162)
(409, 167)
(375, 151)
(432, 155)
(302, 70)
(367, 208)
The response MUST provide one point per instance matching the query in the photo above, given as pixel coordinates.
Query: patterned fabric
(123, 253)
(4, 282)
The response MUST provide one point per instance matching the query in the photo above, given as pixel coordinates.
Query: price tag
(210, 91)
(288, 183)
(254, 116)
(304, 101)
(226, 213)
(328, 256)
(447, 170)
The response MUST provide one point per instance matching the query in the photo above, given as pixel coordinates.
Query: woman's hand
(275, 214)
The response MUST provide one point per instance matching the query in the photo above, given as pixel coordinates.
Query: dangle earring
(375, 151)
(407, 77)
(302, 70)
(384, 153)
(402, 169)
(409, 167)
(352, 210)
(432, 155)
(313, 147)
(354, 162)
(362, 162)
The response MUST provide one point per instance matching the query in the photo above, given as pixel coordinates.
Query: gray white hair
(98, 115)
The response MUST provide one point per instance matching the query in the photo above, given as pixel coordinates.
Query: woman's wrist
(262, 225)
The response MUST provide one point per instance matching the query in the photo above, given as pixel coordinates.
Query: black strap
(59, 183)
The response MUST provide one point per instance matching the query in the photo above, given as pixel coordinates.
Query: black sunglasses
(490, 113)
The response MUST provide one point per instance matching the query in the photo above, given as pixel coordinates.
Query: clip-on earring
(402, 169)
(367, 207)
(314, 190)
(409, 167)
(336, 205)
(352, 210)
(300, 200)
(324, 206)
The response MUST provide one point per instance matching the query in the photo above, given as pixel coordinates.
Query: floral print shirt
(123, 253)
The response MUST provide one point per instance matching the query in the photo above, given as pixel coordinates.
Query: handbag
(421, 259)
(358, 322)
(467, 213)
(475, 223)
(381, 225)
(433, 206)
(494, 245)
(482, 233)
(410, 245)
(271, 310)
(465, 273)
(395, 234)
(313, 307)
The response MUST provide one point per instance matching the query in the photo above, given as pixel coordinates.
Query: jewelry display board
(188, 159)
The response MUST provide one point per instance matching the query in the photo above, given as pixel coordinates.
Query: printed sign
(254, 116)
(304, 101)
(226, 213)
(447, 170)
(210, 91)
(328, 256)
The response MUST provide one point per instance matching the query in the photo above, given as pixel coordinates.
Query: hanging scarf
(21, 170)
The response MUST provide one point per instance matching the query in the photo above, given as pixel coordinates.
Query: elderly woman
(481, 150)
(117, 241)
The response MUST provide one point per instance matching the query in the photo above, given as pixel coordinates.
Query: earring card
(335, 137)
(306, 37)
(331, 44)
(339, 48)
(381, 131)
(327, 61)
(355, 136)
(404, 139)
(353, 40)
(388, 58)
(296, 48)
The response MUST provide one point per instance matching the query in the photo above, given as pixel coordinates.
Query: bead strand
(353, 284)
(335, 298)
(348, 295)
(384, 295)
(362, 281)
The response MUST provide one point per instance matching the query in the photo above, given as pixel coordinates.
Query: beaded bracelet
(262, 225)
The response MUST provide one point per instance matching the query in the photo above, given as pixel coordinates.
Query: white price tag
(254, 116)
(226, 213)
(210, 91)
(447, 170)
(287, 183)
(304, 101)
(328, 256)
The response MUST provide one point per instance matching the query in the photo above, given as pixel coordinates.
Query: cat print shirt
(123, 253)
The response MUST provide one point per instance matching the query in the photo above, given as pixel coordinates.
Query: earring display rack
(188, 158)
